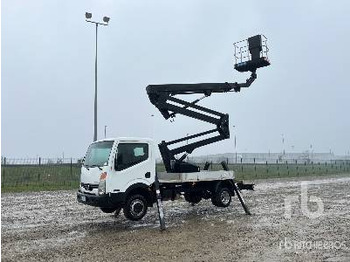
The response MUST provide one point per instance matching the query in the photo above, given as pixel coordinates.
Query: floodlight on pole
(88, 15)
(106, 19)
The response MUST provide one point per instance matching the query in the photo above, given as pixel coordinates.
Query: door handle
(148, 175)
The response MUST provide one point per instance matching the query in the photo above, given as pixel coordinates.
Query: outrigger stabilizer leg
(237, 191)
(159, 204)
(241, 199)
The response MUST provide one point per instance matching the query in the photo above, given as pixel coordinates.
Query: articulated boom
(163, 97)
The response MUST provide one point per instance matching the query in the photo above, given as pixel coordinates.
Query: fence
(39, 173)
(64, 173)
(250, 158)
(292, 168)
(38, 161)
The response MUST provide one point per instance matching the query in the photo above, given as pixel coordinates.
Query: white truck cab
(112, 165)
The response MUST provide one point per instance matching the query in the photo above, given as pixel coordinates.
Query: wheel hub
(137, 207)
(225, 197)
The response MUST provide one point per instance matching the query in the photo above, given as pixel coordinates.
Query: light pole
(235, 145)
(312, 152)
(88, 17)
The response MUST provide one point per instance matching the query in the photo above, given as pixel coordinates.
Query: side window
(130, 154)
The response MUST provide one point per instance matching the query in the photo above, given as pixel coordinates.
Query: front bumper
(106, 201)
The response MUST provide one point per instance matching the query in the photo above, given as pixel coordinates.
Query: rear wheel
(222, 198)
(135, 207)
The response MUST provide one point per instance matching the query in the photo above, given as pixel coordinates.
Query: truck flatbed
(165, 177)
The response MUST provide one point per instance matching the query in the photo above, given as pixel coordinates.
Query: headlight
(102, 184)
(102, 187)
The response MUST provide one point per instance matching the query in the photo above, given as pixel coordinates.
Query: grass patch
(39, 178)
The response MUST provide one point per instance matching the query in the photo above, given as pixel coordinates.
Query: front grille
(88, 187)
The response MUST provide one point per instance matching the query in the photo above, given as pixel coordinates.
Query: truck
(120, 173)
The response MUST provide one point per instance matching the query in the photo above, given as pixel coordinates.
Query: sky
(299, 103)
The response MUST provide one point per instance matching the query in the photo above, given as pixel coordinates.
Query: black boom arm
(163, 97)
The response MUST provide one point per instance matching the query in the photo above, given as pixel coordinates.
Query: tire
(193, 198)
(107, 209)
(135, 207)
(222, 198)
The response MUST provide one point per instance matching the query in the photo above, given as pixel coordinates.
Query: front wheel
(135, 207)
(222, 198)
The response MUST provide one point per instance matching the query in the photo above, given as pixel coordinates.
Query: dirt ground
(52, 226)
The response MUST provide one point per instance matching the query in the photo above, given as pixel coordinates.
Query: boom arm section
(163, 97)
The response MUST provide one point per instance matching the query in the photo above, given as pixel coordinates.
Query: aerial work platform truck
(120, 173)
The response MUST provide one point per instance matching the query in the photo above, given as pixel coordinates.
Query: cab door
(133, 164)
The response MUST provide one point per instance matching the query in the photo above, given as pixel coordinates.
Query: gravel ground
(52, 226)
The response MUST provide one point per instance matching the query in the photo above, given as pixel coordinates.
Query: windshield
(98, 153)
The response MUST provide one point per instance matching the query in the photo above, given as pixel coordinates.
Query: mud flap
(159, 205)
